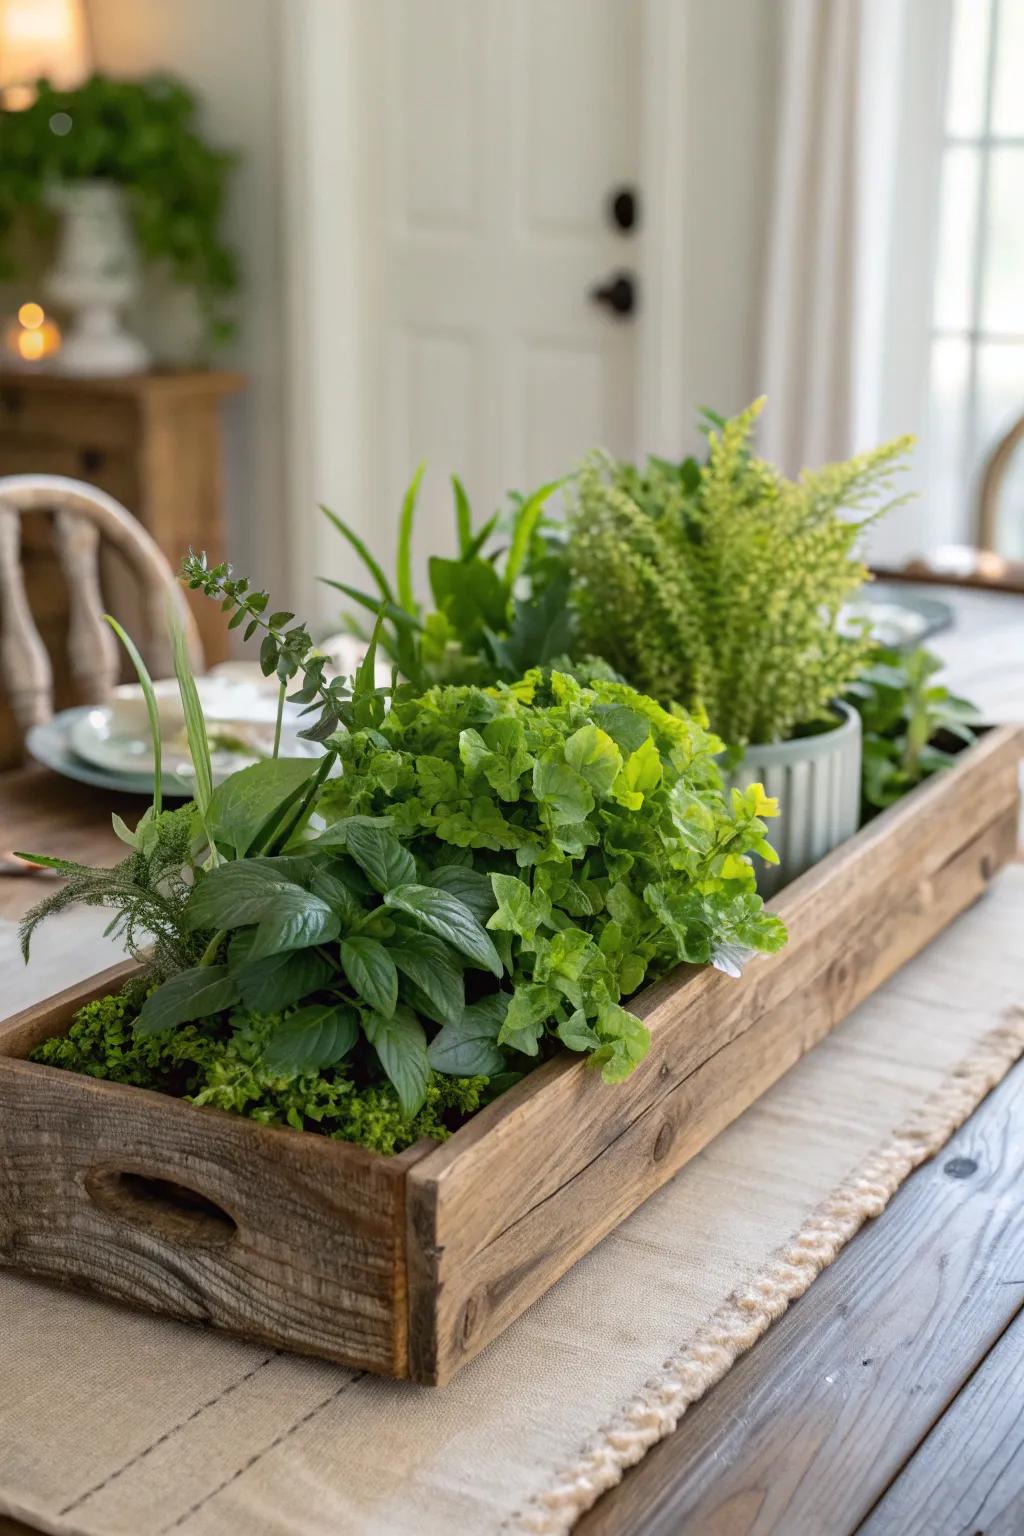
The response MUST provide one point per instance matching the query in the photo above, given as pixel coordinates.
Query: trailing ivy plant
(905, 714)
(141, 134)
(719, 585)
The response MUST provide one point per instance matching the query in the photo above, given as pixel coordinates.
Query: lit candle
(33, 336)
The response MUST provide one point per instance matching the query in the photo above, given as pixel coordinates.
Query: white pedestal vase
(95, 276)
(817, 781)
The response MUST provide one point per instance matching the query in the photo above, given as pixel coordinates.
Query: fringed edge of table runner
(750, 1311)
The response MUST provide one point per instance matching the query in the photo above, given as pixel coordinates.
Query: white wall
(228, 52)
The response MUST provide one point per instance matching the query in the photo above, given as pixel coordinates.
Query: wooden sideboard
(153, 441)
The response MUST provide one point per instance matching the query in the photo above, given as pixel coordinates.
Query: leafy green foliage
(339, 929)
(195, 722)
(598, 822)
(902, 712)
(261, 1066)
(141, 134)
(148, 891)
(719, 586)
(311, 1038)
(188, 995)
(248, 807)
(491, 875)
(152, 712)
(286, 650)
(482, 628)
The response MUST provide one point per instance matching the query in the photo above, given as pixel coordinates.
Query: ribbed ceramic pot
(817, 782)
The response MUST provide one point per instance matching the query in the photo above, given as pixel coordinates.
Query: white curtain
(852, 238)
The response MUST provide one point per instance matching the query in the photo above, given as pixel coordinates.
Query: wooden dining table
(887, 1401)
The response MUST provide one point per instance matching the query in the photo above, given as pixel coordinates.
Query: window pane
(1003, 299)
(947, 511)
(961, 169)
(968, 56)
(1000, 404)
(1008, 110)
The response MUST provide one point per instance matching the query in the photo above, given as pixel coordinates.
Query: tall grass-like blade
(279, 719)
(398, 616)
(374, 568)
(365, 680)
(195, 723)
(300, 810)
(463, 515)
(478, 540)
(404, 558)
(526, 522)
(146, 684)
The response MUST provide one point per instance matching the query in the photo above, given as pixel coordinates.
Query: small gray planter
(817, 782)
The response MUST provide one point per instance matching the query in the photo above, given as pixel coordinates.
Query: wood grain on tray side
(501, 1210)
(289, 1238)
(409, 1265)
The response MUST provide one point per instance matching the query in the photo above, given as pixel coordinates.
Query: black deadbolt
(622, 206)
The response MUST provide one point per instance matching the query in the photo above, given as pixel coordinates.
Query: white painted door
(493, 137)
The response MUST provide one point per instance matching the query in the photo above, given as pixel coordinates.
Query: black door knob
(617, 294)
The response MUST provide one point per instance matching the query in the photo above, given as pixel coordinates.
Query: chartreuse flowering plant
(720, 585)
(491, 876)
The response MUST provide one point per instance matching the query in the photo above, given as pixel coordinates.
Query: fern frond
(147, 893)
(721, 585)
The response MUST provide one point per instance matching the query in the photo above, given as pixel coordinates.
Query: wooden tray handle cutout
(161, 1206)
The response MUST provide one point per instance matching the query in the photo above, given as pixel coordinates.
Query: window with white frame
(977, 342)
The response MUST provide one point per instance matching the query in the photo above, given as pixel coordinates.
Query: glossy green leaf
(245, 807)
(433, 968)
(246, 891)
(371, 973)
(276, 982)
(401, 1047)
(471, 887)
(440, 913)
(295, 922)
(381, 857)
(470, 593)
(467, 1047)
(311, 1039)
(199, 993)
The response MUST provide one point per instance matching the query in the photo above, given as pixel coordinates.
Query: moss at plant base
(217, 1063)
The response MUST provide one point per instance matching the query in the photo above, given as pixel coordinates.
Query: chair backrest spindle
(24, 662)
(84, 517)
(92, 648)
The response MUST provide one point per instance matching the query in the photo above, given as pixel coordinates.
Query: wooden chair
(978, 564)
(83, 517)
(986, 532)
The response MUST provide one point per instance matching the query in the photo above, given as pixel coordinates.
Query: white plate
(240, 716)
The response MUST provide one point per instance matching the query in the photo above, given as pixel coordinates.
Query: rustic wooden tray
(409, 1265)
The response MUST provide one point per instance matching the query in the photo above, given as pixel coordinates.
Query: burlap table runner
(117, 1424)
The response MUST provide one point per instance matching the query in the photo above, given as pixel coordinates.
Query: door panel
(439, 103)
(494, 134)
(577, 129)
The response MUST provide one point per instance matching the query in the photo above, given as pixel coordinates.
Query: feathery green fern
(147, 891)
(719, 586)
